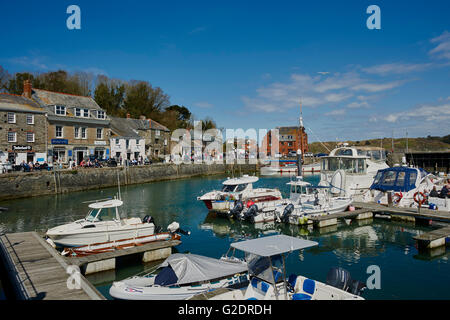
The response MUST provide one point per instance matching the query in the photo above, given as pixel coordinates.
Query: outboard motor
(287, 212)
(251, 212)
(341, 279)
(175, 227)
(148, 219)
(237, 209)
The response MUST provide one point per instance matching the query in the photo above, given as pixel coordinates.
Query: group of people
(443, 193)
(85, 164)
(28, 167)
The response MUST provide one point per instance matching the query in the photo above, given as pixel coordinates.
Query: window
(86, 113)
(77, 112)
(83, 133)
(157, 132)
(101, 114)
(11, 117)
(60, 110)
(30, 136)
(59, 131)
(30, 119)
(77, 133)
(12, 136)
(117, 141)
(99, 133)
(127, 144)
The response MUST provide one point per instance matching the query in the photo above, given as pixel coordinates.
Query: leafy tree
(4, 79)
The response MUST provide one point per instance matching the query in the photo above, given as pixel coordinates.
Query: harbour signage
(60, 141)
(100, 143)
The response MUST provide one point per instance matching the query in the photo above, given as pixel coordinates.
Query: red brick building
(289, 140)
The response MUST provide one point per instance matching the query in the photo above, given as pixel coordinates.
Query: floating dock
(433, 239)
(36, 271)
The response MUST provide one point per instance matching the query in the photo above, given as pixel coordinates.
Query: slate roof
(64, 99)
(146, 124)
(12, 102)
(123, 129)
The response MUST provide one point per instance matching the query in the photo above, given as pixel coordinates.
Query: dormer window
(60, 110)
(86, 113)
(101, 114)
(82, 113)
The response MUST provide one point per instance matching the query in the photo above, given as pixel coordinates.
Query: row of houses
(44, 126)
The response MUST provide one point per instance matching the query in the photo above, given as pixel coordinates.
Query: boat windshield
(300, 189)
(265, 268)
(347, 164)
(234, 188)
(105, 214)
(376, 155)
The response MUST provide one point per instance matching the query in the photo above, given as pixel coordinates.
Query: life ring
(422, 201)
(397, 197)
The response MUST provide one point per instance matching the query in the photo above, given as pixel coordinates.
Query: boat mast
(300, 156)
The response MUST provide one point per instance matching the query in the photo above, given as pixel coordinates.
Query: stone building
(156, 136)
(77, 126)
(23, 135)
(125, 141)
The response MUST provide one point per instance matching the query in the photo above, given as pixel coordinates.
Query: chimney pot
(27, 89)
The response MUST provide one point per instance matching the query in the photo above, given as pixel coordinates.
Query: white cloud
(35, 62)
(314, 91)
(423, 113)
(355, 105)
(396, 68)
(337, 112)
(442, 50)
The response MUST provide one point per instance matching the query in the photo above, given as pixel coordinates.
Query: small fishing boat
(221, 201)
(102, 224)
(182, 276)
(266, 258)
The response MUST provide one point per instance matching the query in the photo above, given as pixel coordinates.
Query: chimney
(27, 89)
(142, 117)
(128, 116)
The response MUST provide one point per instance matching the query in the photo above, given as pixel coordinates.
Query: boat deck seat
(308, 288)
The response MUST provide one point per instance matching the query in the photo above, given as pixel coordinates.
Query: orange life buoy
(422, 201)
(397, 197)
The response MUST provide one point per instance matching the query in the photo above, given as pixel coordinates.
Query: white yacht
(266, 258)
(102, 224)
(350, 170)
(406, 187)
(221, 201)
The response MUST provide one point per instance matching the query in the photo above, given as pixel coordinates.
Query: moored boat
(221, 201)
(182, 276)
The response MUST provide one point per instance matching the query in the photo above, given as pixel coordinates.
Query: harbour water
(404, 273)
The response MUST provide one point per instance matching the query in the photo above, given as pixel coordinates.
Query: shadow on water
(354, 246)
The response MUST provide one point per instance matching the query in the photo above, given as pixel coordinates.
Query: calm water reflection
(404, 273)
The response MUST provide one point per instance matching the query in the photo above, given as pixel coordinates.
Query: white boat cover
(194, 268)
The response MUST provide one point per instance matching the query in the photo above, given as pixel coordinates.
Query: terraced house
(23, 135)
(77, 126)
(156, 136)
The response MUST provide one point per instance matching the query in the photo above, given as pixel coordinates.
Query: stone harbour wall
(32, 184)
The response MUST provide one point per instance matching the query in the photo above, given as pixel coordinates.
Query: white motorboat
(305, 201)
(266, 258)
(182, 276)
(351, 170)
(102, 224)
(237, 189)
(407, 187)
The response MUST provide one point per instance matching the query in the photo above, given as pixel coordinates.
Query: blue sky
(247, 63)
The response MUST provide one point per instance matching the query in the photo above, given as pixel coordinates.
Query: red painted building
(289, 140)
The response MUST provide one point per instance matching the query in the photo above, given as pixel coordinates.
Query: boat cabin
(399, 179)
(299, 188)
(104, 211)
(352, 159)
(239, 184)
